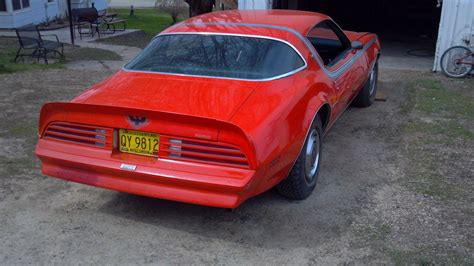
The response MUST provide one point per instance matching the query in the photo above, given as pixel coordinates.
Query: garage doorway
(408, 29)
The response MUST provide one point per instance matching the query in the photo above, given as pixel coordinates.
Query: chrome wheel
(313, 150)
(303, 177)
(372, 82)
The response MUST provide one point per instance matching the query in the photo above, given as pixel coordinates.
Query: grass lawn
(150, 21)
(9, 46)
(8, 50)
(440, 113)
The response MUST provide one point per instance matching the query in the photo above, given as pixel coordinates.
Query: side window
(329, 41)
(3, 5)
(20, 4)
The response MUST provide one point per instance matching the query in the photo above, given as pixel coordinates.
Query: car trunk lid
(194, 96)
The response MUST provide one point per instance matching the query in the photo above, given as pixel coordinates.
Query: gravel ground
(395, 187)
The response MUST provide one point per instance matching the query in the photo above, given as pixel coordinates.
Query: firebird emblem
(137, 121)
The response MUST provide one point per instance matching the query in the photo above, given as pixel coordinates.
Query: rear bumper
(208, 185)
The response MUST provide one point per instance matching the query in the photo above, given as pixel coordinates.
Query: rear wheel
(366, 96)
(454, 62)
(303, 176)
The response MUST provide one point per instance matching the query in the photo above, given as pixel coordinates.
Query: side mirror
(357, 45)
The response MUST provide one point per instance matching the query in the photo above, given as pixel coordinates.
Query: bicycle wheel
(455, 62)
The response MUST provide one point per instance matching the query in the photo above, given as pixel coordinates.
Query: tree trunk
(174, 17)
(198, 7)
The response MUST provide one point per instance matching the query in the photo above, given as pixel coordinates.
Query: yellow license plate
(139, 142)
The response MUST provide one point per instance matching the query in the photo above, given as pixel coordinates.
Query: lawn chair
(30, 39)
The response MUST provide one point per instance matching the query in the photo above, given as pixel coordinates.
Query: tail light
(175, 148)
(202, 151)
(81, 134)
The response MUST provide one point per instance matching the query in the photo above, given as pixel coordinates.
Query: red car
(215, 110)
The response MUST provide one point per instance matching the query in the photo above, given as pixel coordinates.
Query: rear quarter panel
(373, 50)
(365, 38)
(277, 117)
(364, 65)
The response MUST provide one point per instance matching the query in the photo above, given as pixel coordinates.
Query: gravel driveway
(366, 207)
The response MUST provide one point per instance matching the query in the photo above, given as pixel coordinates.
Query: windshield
(225, 56)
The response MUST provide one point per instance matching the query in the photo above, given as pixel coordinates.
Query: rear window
(218, 56)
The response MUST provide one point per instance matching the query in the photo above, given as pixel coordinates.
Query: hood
(194, 96)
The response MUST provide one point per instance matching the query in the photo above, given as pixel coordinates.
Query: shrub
(172, 7)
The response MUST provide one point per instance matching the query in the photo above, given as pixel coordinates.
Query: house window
(50, 1)
(20, 4)
(3, 5)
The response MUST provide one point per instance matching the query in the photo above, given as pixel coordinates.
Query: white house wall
(38, 12)
(456, 27)
(255, 4)
(135, 3)
(99, 4)
(6, 20)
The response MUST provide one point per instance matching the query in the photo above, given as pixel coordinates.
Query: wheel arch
(324, 113)
(323, 110)
(317, 106)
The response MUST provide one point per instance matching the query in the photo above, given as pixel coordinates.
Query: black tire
(450, 67)
(366, 96)
(302, 179)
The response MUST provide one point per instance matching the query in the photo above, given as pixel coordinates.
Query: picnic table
(89, 21)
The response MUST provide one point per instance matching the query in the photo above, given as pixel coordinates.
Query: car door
(336, 57)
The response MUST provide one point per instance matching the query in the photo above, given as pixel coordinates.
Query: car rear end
(160, 126)
(170, 156)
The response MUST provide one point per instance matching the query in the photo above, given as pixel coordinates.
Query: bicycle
(457, 61)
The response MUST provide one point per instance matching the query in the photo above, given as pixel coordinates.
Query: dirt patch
(395, 187)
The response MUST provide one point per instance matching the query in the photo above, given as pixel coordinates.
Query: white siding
(99, 4)
(6, 20)
(38, 12)
(255, 4)
(135, 3)
(456, 27)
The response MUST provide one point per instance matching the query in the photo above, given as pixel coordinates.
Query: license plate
(139, 142)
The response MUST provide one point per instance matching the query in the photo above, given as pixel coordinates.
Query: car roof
(300, 21)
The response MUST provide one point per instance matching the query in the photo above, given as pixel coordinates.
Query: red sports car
(215, 110)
